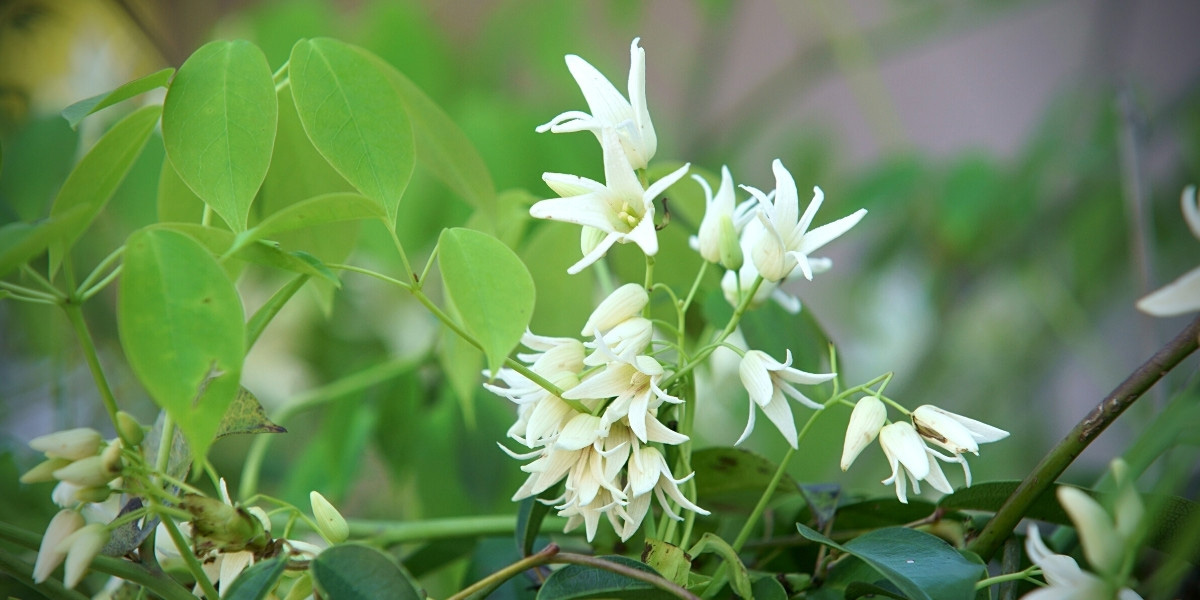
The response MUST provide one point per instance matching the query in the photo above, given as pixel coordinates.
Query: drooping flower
(787, 241)
(620, 207)
(768, 381)
(721, 223)
(908, 457)
(629, 118)
(1182, 295)
(649, 476)
(623, 303)
(633, 386)
(866, 420)
(1067, 581)
(49, 556)
(955, 433)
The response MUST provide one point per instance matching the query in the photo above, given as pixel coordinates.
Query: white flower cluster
(606, 455)
(904, 443)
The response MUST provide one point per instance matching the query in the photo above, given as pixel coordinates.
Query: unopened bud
(82, 547)
(44, 471)
(731, 248)
(330, 522)
(112, 456)
(230, 528)
(1129, 509)
(65, 523)
(129, 428)
(72, 444)
(1102, 546)
(99, 493)
(866, 420)
(87, 472)
(625, 302)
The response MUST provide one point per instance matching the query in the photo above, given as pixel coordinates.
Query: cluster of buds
(604, 452)
(69, 538)
(905, 443)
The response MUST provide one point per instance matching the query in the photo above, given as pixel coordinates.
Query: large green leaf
(181, 326)
(734, 479)
(76, 112)
(93, 181)
(491, 288)
(576, 582)
(353, 572)
(219, 122)
(354, 117)
(320, 210)
(922, 566)
(20, 242)
(257, 581)
(441, 146)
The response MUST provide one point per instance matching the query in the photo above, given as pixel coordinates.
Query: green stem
(695, 286)
(95, 274)
(22, 572)
(87, 294)
(651, 578)
(1063, 454)
(343, 387)
(24, 294)
(389, 533)
(75, 315)
(494, 580)
(189, 558)
(49, 287)
(741, 309)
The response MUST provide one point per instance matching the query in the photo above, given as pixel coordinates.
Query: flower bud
(44, 471)
(625, 302)
(129, 428)
(229, 528)
(98, 493)
(72, 444)
(1102, 546)
(866, 420)
(82, 547)
(65, 523)
(87, 472)
(730, 248)
(330, 522)
(590, 238)
(112, 456)
(771, 259)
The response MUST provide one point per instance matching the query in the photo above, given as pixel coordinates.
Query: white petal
(900, 440)
(1102, 546)
(866, 420)
(1176, 298)
(567, 186)
(623, 303)
(580, 432)
(1191, 212)
(780, 413)
(605, 102)
(590, 210)
(596, 254)
(755, 378)
(612, 381)
(815, 239)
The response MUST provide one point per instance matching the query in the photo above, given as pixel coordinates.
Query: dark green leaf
(93, 181)
(490, 287)
(181, 326)
(76, 112)
(257, 581)
(353, 572)
(921, 566)
(354, 117)
(246, 415)
(530, 514)
(576, 582)
(767, 588)
(219, 122)
(734, 478)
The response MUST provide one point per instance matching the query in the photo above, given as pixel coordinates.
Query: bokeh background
(1021, 161)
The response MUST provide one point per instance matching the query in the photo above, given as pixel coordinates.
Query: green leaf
(735, 478)
(262, 317)
(491, 288)
(76, 112)
(530, 515)
(219, 122)
(319, 210)
(576, 582)
(921, 566)
(257, 581)
(246, 415)
(219, 241)
(93, 181)
(441, 146)
(353, 572)
(181, 326)
(767, 588)
(176, 202)
(20, 242)
(354, 117)
(674, 564)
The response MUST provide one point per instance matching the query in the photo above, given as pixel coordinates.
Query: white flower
(909, 457)
(540, 415)
(767, 381)
(649, 475)
(736, 285)
(955, 433)
(1182, 295)
(1067, 581)
(620, 207)
(49, 556)
(628, 119)
(866, 420)
(721, 218)
(623, 303)
(787, 241)
(1102, 545)
(633, 385)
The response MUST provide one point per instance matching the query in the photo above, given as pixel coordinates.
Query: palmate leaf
(219, 121)
(181, 326)
(355, 118)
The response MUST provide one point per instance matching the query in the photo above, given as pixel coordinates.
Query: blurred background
(1022, 163)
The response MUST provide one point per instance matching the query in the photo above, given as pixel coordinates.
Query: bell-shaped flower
(623, 303)
(629, 118)
(788, 241)
(908, 457)
(1102, 545)
(737, 284)
(633, 387)
(81, 547)
(620, 207)
(722, 220)
(768, 381)
(866, 420)
(649, 476)
(627, 339)
(1066, 580)
(955, 433)
(1182, 295)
